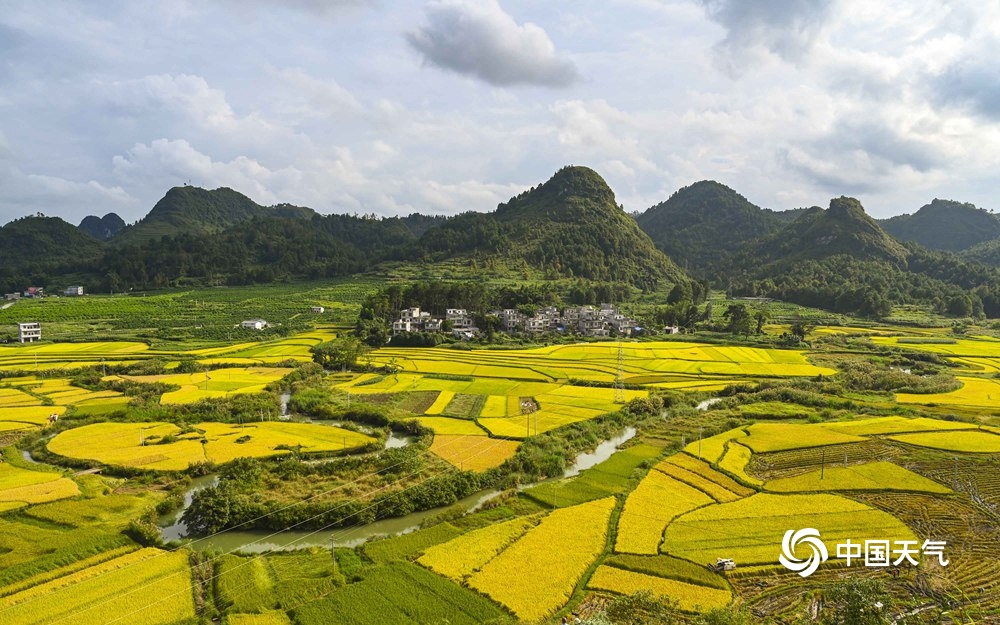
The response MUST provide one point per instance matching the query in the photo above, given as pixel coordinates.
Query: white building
(73, 291)
(317, 309)
(254, 324)
(29, 332)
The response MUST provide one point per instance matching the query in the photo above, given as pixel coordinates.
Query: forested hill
(102, 228)
(700, 225)
(568, 227)
(46, 245)
(193, 210)
(840, 259)
(945, 225)
(844, 228)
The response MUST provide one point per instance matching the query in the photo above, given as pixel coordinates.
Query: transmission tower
(620, 377)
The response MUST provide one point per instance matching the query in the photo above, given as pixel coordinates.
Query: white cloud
(786, 28)
(478, 38)
(39, 193)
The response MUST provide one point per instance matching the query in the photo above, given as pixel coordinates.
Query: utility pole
(620, 376)
(822, 466)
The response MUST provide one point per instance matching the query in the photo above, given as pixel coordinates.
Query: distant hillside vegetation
(840, 259)
(570, 226)
(193, 210)
(844, 228)
(701, 224)
(34, 249)
(945, 225)
(102, 228)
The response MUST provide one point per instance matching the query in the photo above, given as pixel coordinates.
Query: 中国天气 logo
(789, 558)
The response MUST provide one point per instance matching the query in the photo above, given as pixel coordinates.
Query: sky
(446, 106)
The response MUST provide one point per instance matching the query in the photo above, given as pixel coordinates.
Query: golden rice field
(975, 346)
(21, 487)
(711, 448)
(968, 441)
(559, 404)
(473, 453)
(710, 482)
(461, 557)
(30, 415)
(215, 383)
(120, 443)
(145, 587)
(69, 355)
(869, 476)
(705, 470)
(656, 501)
(736, 460)
(689, 597)
(452, 426)
(645, 363)
(537, 574)
(766, 437)
(750, 530)
(893, 425)
(976, 392)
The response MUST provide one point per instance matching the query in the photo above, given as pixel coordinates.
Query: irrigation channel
(256, 541)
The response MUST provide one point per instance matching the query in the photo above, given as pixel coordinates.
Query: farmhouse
(29, 332)
(318, 309)
(34, 291)
(588, 320)
(73, 291)
(254, 324)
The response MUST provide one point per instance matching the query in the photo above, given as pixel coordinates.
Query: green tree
(761, 318)
(340, 353)
(858, 601)
(801, 329)
(740, 321)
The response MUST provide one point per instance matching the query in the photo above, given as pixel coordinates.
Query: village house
(34, 291)
(254, 324)
(588, 320)
(73, 291)
(29, 332)
(317, 309)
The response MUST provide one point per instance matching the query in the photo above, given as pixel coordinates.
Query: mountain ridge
(945, 225)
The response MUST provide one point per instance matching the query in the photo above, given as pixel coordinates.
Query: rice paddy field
(645, 363)
(694, 485)
(165, 447)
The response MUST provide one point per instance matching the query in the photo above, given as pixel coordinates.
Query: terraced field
(165, 447)
(530, 552)
(645, 363)
(147, 587)
(750, 530)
